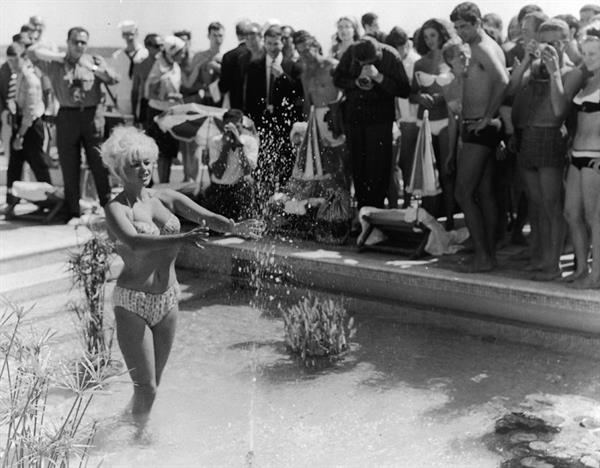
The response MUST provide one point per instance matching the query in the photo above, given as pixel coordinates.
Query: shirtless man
(483, 89)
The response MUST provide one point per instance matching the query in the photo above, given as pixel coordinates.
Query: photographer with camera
(232, 158)
(371, 75)
(76, 78)
(546, 84)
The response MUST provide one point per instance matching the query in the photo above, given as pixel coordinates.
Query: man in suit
(233, 68)
(274, 100)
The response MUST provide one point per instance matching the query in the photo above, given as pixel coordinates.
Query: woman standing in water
(582, 204)
(147, 234)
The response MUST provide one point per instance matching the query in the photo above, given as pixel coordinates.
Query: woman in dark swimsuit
(582, 204)
(143, 223)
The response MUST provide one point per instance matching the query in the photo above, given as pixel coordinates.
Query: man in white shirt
(123, 61)
(232, 158)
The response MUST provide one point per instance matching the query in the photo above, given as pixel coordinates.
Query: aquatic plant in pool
(317, 327)
(89, 268)
(33, 432)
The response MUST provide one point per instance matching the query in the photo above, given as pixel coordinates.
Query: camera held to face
(364, 82)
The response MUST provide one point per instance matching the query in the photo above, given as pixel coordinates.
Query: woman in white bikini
(582, 204)
(143, 224)
(431, 74)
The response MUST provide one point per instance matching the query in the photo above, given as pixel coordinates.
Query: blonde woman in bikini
(582, 204)
(144, 224)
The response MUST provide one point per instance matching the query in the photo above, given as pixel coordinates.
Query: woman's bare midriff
(151, 272)
(587, 136)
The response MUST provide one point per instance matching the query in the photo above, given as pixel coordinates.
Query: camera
(364, 82)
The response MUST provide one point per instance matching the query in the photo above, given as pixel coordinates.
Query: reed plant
(32, 435)
(317, 327)
(89, 268)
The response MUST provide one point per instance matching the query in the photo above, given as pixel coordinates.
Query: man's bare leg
(534, 198)
(488, 204)
(552, 227)
(471, 166)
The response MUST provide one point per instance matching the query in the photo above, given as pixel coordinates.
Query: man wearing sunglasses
(154, 44)
(76, 79)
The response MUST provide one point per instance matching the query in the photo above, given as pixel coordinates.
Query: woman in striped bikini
(144, 224)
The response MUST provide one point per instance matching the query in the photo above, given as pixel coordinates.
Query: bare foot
(575, 276)
(586, 283)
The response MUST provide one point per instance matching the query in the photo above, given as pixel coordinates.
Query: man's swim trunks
(489, 136)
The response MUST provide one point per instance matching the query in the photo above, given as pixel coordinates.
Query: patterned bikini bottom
(151, 307)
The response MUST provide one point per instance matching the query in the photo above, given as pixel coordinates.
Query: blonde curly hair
(126, 146)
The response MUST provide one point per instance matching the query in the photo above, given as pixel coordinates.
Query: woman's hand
(550, 58)
(250, 229)
(532, 50)
(426, 100)
(197, 236)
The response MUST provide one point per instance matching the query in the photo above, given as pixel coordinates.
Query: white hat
(173, 45)
(127, 26)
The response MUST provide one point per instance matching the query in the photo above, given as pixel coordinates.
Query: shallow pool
(406, 395)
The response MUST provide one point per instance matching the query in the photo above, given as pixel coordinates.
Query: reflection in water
(406, 395)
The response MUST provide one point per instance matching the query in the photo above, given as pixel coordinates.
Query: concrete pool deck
(33, 262)
(504, 294)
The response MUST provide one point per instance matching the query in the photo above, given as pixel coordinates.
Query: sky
(101, 17)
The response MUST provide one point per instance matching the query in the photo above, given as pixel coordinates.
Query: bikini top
(427, 79)
(589, 103)
(172, 226)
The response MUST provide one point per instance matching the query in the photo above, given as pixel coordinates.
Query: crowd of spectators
(515, 117)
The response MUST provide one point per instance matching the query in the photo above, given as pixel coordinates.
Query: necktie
(270, 84)
(131, 57)
(11, 102)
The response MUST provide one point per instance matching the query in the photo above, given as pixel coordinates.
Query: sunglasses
(78, 42)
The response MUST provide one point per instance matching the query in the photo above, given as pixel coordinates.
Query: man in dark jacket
(372, 75)
(274, 101)
(233, 67)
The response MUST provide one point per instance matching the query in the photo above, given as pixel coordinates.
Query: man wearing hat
(123, 61)
(162, 90)
(76, 79)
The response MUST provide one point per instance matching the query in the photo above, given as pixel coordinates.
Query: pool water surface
(405, 395)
